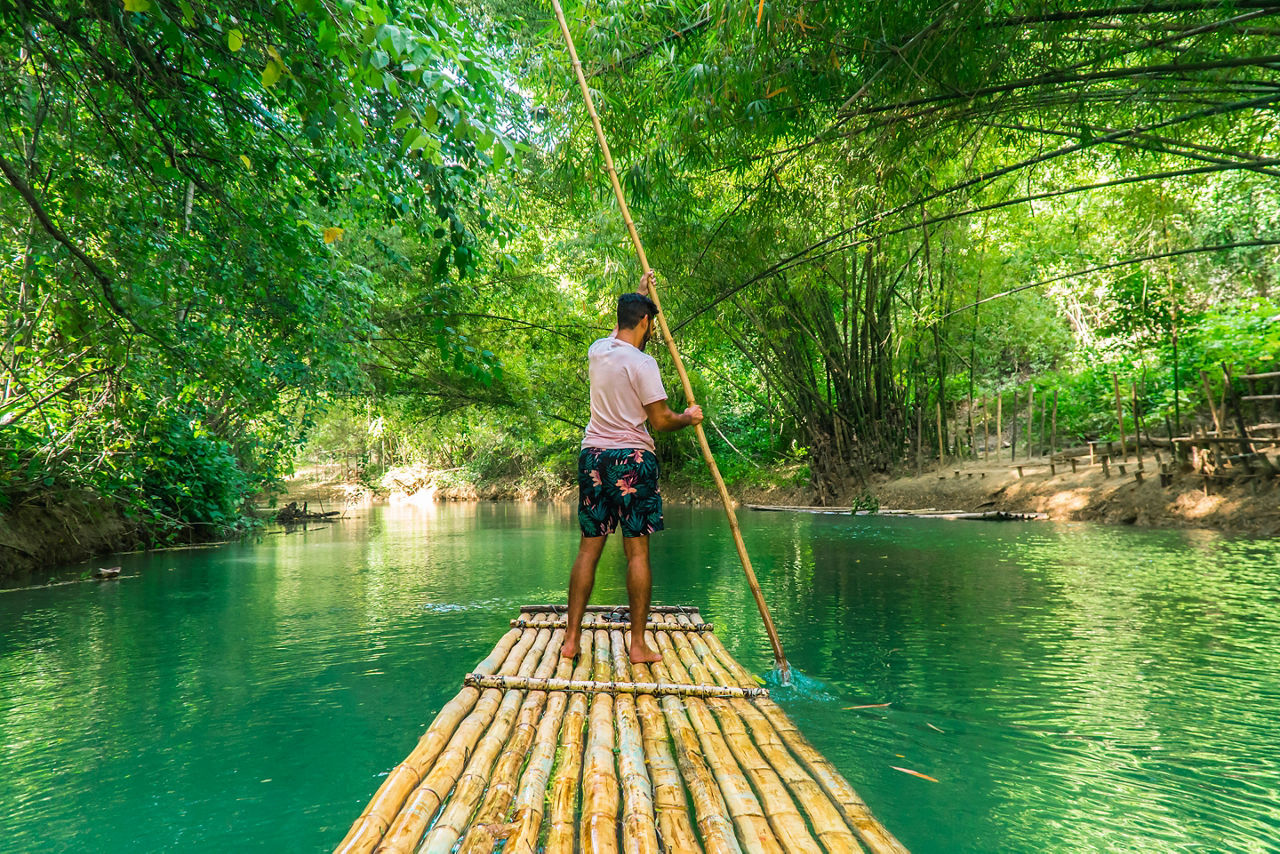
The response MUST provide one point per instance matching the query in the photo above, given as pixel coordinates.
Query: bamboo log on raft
(778, 808)
(609, 625)
(754, 832)
(562, 832)
(367, 830)
(873, 835)
(407, 829)
(833, 831)
(531, 797)
(671, 812)
(489, 820)
(610, 686)
(598, 829)
(712, 815)
(639, 829)
(480, 772)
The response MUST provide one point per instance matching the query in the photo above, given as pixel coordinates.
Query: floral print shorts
(618, 486)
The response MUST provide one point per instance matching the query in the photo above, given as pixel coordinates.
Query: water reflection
(1070, 687)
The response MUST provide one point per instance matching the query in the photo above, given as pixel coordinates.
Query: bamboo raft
(539, 753)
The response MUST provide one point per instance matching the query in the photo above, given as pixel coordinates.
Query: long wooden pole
(779, 659)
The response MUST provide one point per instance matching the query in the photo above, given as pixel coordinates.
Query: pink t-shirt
(623, 380)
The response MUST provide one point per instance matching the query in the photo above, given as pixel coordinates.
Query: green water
(1072, 688)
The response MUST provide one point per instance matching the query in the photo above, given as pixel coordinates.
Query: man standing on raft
(617, 469)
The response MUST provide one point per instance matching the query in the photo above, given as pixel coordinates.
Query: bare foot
(569, 649)
(642, 654)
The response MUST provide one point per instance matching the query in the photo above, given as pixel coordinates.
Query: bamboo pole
(1044, 408)
(480, 772)
(669, 796)
(608, 609)
(610, 625)
(598, 827)
(1013, 427)
(828, 824)
(779, 809)
(870, 832)
(562, 832)
(531, 797)
(639, 827)
(779, 659)
(403, 834)
(1137, 426)
(368, 829)
(712, 814)
(1124, 446)
(748, 814)
(609, 686)
(482, 836)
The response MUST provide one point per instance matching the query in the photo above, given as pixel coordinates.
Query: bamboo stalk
(832, 830)
(368, 829)
(599, 823)
(1053, 433)
(596, 686)
(471, 786)
(484, 831)
(407, 828)
(562, 832)
(714, 824)
(1208, 396)
(639, 828)
(779, 809)
(780, 660)
(1044, 408)
(669, 799)
(531, 798)
(1031, 417)
(754, 831)
(610, 625)
(610, 609)
(870, 832)
(942, 456)
(999, 424)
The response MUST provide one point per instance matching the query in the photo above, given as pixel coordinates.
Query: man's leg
(639, 588)
(581, 580)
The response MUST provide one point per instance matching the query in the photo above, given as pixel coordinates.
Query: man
(617, 469)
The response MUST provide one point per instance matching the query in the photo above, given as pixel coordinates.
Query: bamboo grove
(221, 224)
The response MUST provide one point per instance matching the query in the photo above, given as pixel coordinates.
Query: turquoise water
(1070, 687)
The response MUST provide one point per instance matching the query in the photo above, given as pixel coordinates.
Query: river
(1071, 687)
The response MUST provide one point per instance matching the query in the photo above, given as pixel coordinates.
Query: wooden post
(1044, 408)
(942, 454)
(1013, 428)
(1137, 427)
(999, 424)
(1229, 394)
(779, 659)
(1053, 433)
(986, 434)
(1031, 416)
(1124, 448)
(1208, 397)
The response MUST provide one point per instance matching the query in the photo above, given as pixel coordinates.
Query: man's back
(623, 381)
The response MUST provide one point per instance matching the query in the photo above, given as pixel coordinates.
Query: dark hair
(632, 307)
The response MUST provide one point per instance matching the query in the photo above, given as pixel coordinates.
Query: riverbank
(77, 526)
(1087, 494)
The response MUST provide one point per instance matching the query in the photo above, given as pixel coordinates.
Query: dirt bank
(1088, 495)
(36, 536)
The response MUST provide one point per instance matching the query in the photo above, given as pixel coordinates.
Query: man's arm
(665, 420)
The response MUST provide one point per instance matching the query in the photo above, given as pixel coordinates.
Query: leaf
(248, 164)
(914, 773)
(271, 73)
(235, 40)
(137, 5)
(332, 234)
